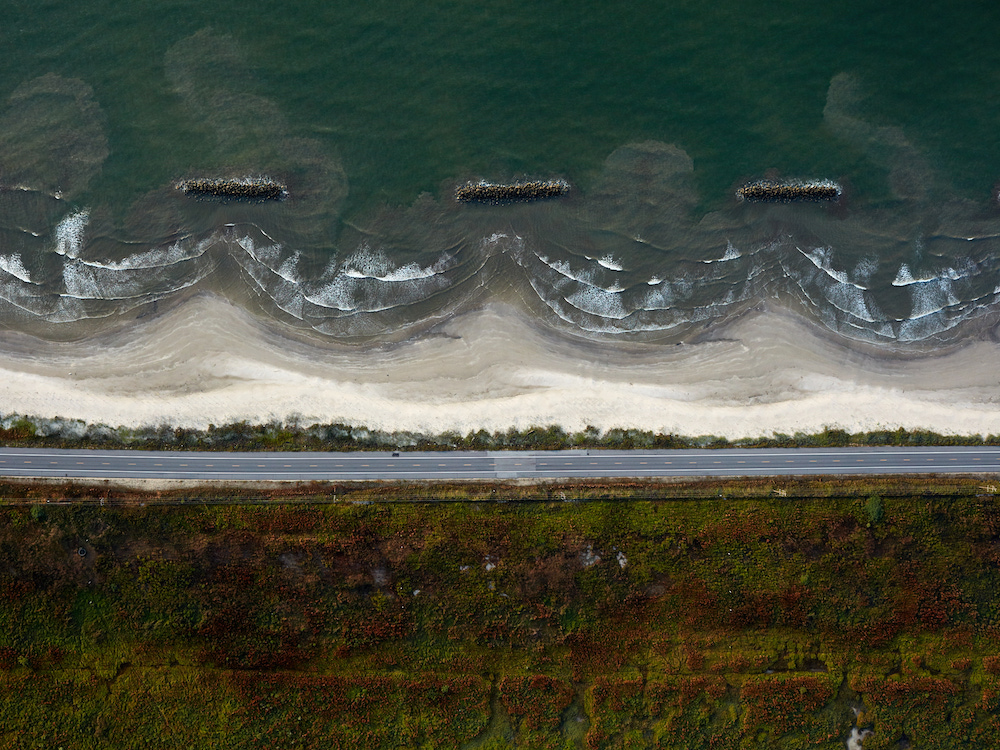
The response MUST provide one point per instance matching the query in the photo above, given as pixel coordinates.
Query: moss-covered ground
(717, 620)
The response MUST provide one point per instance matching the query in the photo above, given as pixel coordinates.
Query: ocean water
(372, 113)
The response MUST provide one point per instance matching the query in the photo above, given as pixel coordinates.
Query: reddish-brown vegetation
(392, 625)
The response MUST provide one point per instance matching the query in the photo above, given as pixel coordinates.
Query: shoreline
(768, 372)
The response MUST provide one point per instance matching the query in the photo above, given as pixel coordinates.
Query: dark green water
(415, 93)
(362, 107)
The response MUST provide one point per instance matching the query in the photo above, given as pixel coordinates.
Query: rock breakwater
(516, 192)
(769, 191)
(243, 189)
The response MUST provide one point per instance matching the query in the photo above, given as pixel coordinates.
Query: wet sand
(208, 361)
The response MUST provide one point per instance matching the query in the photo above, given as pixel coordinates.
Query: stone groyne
(516, 192)
(242, 189)
(769, 191)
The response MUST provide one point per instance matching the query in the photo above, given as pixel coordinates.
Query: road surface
(458, 465)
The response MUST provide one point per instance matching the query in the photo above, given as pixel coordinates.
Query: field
(684, 615)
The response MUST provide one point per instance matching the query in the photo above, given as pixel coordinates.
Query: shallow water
(373, 115)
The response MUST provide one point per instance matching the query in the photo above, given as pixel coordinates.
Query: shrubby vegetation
(712, 623)
(20, 430)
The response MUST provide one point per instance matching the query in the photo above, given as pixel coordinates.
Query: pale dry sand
(209, 361)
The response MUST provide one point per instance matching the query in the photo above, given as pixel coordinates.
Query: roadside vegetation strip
(123, 493)
(36, 432)
(702, 623)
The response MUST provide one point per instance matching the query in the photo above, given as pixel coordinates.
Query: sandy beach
(210, 362)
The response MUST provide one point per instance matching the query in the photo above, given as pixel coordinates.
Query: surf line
(770, 191)
(244, 189)
(514, 192)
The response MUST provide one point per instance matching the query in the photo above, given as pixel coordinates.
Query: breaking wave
(375, 289)
(627, 256)
(69, 234)
(580, 290)
(13, 266)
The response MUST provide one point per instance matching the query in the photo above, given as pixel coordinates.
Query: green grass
(738, 623)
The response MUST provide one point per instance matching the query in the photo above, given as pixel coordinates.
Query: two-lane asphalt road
(457, 465)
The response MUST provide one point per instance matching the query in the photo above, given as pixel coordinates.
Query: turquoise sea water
(373, 112)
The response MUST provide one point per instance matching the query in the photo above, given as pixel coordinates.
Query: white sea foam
(853, 301)
(661, 298)
(275, 276)
(179, 252)
(36, 302)
(917, 329)
(563, 268)
(69, 310)
(288, 297)
(334, 295)
(930, 298)
(602, 325)
(965, 269)
(367, 264)
(840, 305)
(69, 233)
(864, 271)
(285, 294)
(288, 270)
(713, 309)
(670, 294)
(88, 283)
(382, 287)
(14, 292)
(842, 294)
(609, 262)
(683, 287)
(493, 239)
(81, 282)
(598, 302)
(13, 265)
(507, 242)
(962, 270)
(731, 254)
(855, 329)
(374, 264)
(585, 276)
(409, 272)
(904, 277)
(267, 255)
(591, 294)
(821, 257)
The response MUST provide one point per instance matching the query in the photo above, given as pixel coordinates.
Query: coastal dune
(208, 361)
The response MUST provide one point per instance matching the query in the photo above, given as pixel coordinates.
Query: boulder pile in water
(517, 192)
(242, 189)
(768, 191)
